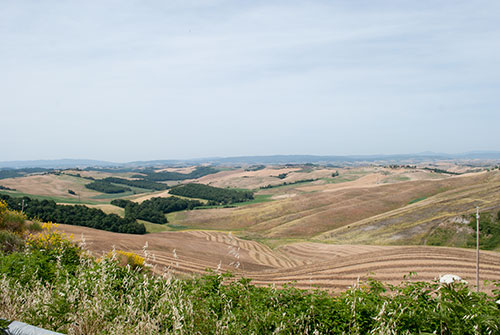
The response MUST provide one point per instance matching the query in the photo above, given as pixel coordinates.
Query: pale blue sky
(140, 80)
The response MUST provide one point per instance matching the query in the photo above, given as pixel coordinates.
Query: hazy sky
(139, 80)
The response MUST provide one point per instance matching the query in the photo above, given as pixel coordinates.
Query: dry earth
(50, 185)
(338, 206)
(412, 224)
(268, 176)
(306, 264)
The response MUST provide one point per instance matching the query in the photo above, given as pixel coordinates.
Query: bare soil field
(306, 264)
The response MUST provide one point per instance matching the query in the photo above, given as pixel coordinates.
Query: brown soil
(307, 264)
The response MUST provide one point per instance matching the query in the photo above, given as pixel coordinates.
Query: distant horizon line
(75, 161)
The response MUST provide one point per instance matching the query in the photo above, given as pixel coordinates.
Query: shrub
(50, 239)
(11, 220)
(35, 226)
(129, 258)
(10, 242)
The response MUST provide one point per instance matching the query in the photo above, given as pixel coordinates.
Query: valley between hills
(311, 225)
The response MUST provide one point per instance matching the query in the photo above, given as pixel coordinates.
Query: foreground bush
(55, 285)
(11, 220)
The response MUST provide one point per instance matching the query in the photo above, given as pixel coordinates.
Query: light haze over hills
(272, 159)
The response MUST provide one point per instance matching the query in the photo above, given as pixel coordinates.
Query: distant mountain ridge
(271, 159)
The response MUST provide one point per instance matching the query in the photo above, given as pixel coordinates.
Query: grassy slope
(325, 216)
(417, 222)
(68, 200)
(400, 213)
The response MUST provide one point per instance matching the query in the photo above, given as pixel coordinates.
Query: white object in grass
(449, 279)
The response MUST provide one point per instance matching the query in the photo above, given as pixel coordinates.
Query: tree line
(441, 171)
(106, 187)
(142, 183)
(6, 188)
(14, 173)
(48, 210)
(217, 196)
(198, 172)
(288, 183)
(154, 209)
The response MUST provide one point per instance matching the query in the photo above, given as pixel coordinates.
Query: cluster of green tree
(71, 192)
(112, 170)
(441, 171)
(6, 188)
(489, 231)
(282, 175)
(154, 209)
(216, 195)
(335, 174)
(199, 172)
(147, 184)
(4, 174)
(398, 166)
(77, 175)
(255, 168)
(48, 210)
(288, 183)
(106, 187)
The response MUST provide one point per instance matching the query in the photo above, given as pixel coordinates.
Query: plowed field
(306, 264)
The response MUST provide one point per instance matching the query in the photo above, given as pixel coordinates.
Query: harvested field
(306, 264)
(101, 174)
(308, 215)
(109, 209)
(328, 232)
(264, 177)
(413, 223)
(143, 197)
(184, 170)
(51, 185)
